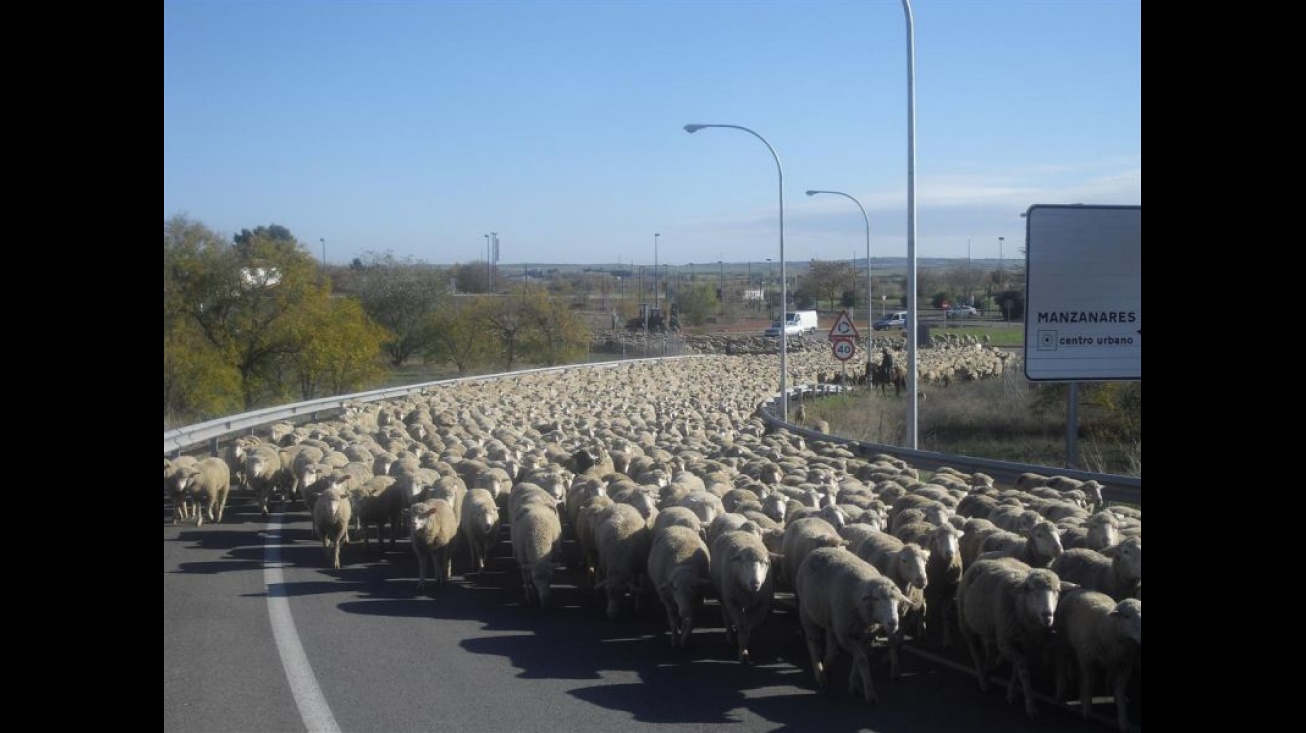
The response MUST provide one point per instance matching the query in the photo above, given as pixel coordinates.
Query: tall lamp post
(913, 405)
(784, 292)
(870, 307)
(655, 269)
(323, 241)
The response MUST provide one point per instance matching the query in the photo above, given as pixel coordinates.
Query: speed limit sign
(843, 348)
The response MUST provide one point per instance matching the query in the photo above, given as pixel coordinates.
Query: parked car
(962, 311)
(896, 319)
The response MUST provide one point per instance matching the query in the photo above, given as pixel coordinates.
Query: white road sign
(1083, 293)
(843, 327)
(843, 348)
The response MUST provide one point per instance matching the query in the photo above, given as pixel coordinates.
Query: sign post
(843, 340)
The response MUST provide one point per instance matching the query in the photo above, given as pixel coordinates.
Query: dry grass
(1006, 418)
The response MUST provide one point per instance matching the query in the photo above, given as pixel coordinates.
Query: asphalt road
(260, 634)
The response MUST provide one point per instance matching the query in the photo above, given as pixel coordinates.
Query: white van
(896, 319)
(797, 323)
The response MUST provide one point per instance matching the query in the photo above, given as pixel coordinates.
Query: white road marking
(313, 708)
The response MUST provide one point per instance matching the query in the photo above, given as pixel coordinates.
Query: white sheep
(741, 567)
(587, 549)
(479, 525)
(679, 516)
(379, 503)
(536, 536)
(905, 564)
(174, 476)
(1118, 574)
(331, 516)
(678, 571)
(801, 536)
(844, 602)
(1097, 633)
(207, 482)
(1038, 547)
(432, 529)
(1006, 606)
(265, 474)
(623, 539)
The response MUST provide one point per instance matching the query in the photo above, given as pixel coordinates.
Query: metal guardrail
(207, 434)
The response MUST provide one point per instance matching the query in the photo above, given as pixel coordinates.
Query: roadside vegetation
(255, 320)
(1007, 418)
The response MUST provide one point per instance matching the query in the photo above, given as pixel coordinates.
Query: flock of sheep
(658, 483)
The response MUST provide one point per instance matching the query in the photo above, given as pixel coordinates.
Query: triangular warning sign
(843, 327)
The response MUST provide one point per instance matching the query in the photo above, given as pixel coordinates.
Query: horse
(897, 376)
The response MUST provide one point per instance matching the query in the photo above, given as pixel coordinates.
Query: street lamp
(1000, 271)
(784, 293)
(323, 241)
(870, 307)
(655, 269)
(912, 360)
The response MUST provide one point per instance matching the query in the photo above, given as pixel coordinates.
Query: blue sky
(418, 127)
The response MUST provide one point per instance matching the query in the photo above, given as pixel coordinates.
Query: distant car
(962, 311)
(897, 319)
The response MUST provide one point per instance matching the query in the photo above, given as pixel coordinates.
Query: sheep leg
(895, 672)
(981, 673)
(1086, 690)
(421, 570)
(1122, 701)
(686, 627)
(815, 648)
(861, 667)
(1021, 670)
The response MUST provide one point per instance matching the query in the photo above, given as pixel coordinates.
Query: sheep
(942, 572)
(587, 550)
(380, 503)
(679, 516)
(265, 474)
(1038, 547)
(174, 475)
(536, 536)
(1006, 605)
(1013, 518)
(623, 538)
(432, 528)
(331, 517)
(903, 563)
(1095, 632)
(801, 536)
(479, 526)
(974, 532)
(1103, 530)
(525, 493)
(1117, 575)
(679, 573)
(741, 570)
(845, 601)
(207, 482)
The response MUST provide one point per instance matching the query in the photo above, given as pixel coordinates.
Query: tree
(508, 324)
(251, 304)
(473, 277)
(556, 334)
(696, 303)
(458, 336)
(400, 295)
(826, 280)
(339, 347)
